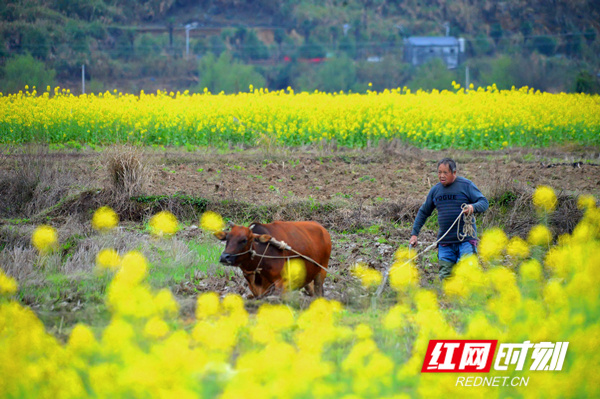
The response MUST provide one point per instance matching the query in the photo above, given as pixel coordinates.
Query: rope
(283, 246)
(469, 220)
(468, 229)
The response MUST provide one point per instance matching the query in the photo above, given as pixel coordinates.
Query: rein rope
(469, 230)
(283, 246)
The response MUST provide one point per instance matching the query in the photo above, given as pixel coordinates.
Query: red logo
(459, 356)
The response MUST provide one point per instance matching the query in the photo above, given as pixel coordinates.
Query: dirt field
(369, 177)
(367, 199)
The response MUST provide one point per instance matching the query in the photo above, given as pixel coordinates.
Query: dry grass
(128, 174)
(33, 180)
(397, 149)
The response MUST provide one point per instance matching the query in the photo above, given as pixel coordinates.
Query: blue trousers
(449, 254)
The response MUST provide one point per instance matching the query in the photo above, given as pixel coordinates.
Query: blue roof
(432, 41)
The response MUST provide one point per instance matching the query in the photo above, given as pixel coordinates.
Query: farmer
(448, 196)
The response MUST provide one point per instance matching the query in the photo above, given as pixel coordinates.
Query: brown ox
(245, 245)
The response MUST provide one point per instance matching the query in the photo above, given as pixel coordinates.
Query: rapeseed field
(541, 290)
(482, 118)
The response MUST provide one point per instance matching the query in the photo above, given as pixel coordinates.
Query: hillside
(132, 45)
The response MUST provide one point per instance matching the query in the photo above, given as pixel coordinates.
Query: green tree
(311, 49)
(147, 45)
(389, 73)
(36, 42)
(25, 70)
(337, 74)
(585, 82)
(481, 45)
(216, 45)
(227, 75)
(496, 32)
(348, 46)
(253, 48)
(545, 45)
(590, 35)
(432, 75)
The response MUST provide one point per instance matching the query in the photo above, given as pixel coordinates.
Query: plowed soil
(375, 192)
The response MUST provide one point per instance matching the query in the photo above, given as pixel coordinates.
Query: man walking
(448, 196)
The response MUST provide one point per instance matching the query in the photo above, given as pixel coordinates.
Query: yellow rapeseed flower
(363, 331)
(105, 219)
(133, 269)
(539, 235)
(403, 276)
(586, 201)
(156, 328)
(294, 273)
(531, 270)
(108, 258)
(544, 198)
(207, 304)
(164, 223)
(517, 248)
(271, 321)
(8, 285)
(165, 303)
(368, 277)
(212, 221)
(44, 238)
(492, 244)
(82, 339)
(467, 278)
(555, 296)
(396, 317)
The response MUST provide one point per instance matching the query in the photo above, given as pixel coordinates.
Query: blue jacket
(448, 201)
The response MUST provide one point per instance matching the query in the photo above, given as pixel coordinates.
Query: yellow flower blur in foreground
(396, 317)
(368, 277)
(108, 258)
(105, 219)
(133, 269)
(294, 273)
(363, 331)
(44, 238)
(212, 221)
(539, 235)
(156, 328)
(544, 198)
(82, 339)
(8, 285)
(164, 223)
(492, 244)
(531, 270)
(403, 276)
(586, 202)
(325, 351)
(207, 305)
(467, 278)
(517, 248)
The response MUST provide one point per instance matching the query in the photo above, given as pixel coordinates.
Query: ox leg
(278, 287)
(310, 288)
(319, 279)
(250, 278)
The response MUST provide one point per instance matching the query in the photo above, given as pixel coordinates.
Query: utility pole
(447, 26)
(467, 77)
(188, 28)
(83, 79)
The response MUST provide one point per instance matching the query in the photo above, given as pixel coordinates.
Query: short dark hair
(450, 162)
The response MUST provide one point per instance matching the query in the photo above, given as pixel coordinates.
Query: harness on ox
(281, 245)
(262, 257)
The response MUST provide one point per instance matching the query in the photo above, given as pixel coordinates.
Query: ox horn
(230, 223)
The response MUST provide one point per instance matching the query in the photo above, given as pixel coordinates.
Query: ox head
(238, 244)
